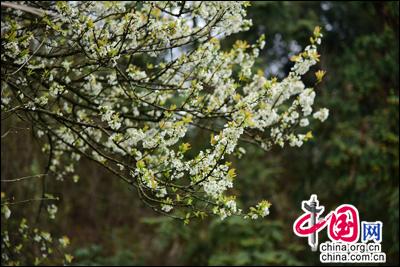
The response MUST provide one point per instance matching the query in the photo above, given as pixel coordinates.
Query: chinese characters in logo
(344, 230)
(371, 231)
(343, 223)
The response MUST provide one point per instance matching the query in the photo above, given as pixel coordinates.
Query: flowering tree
(125, 83)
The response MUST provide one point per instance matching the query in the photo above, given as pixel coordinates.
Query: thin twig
(22, 178)
(27, 200)
(33, 10)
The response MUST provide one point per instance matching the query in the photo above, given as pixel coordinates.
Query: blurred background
(353, 157)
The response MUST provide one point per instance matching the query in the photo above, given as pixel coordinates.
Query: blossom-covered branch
(124, 84)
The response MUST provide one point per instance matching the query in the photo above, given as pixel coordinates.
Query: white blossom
(322, 114)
